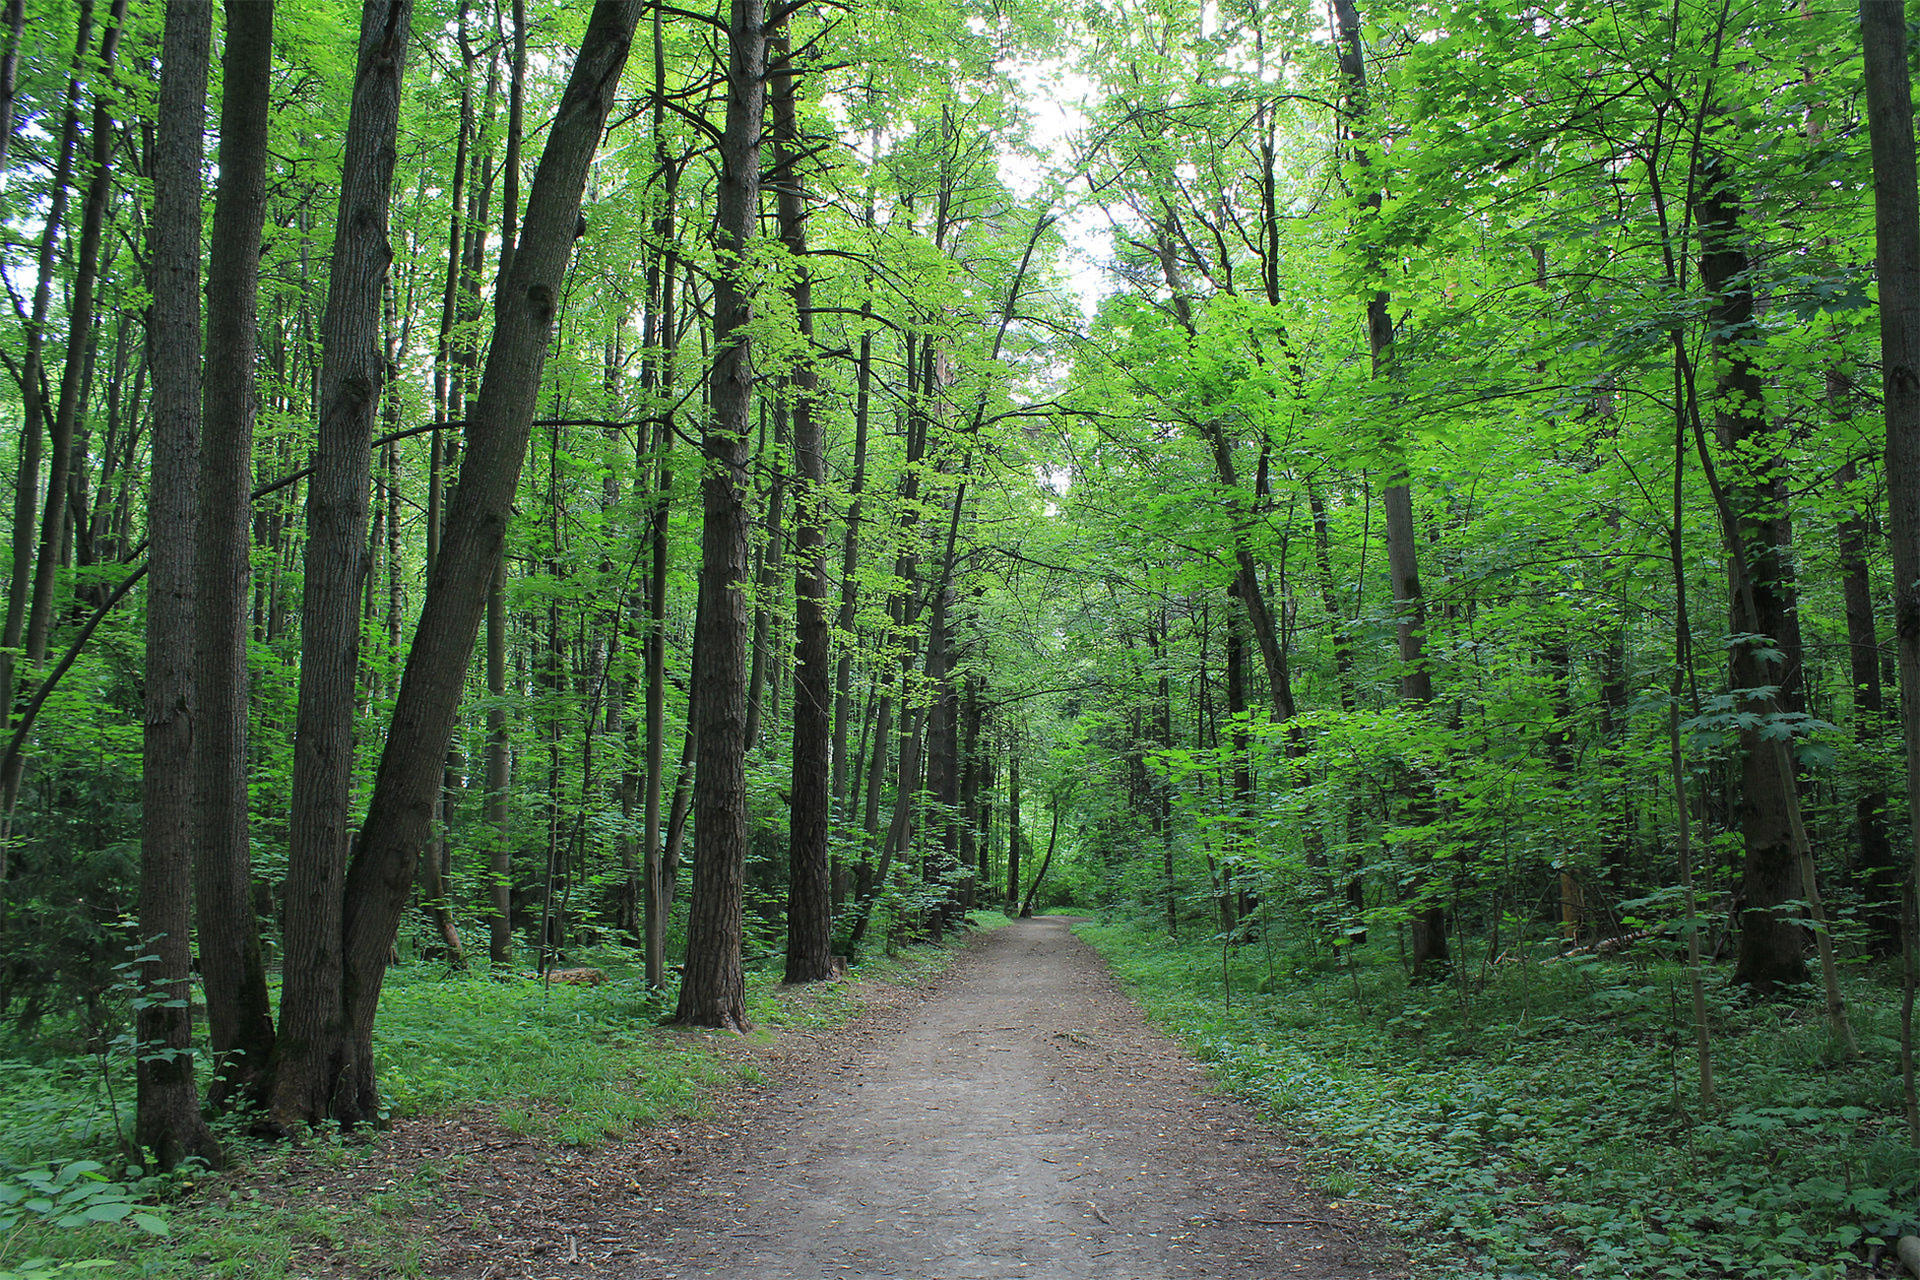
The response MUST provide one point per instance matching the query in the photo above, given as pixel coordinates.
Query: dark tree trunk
(1881, 872)
(400, 812)
(239, 1015)
(313, 1051)
(767, 579)
(1897, 256)
(16, 20)
(713, 993)
(809, 884)
(168, 1120)
(1771, 948)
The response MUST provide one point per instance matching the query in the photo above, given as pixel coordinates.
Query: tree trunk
(1771, 947)
(1897, 256)
(662, 341)
(767, 578)
(849, 593)
(971, 849)
(313, 1051)
(78, 363)
(526, 306)
(26, 493)
(239, 1015)
(499, 778)
(1428, 924)
(1013, 823)
(168, 1120)
(809, 882)
(16, 20)
(1881, 874)
(713, 993)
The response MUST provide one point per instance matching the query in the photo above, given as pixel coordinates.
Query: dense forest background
(1404, 486)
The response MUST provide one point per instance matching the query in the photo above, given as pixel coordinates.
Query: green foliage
(574, 1062)
(74, 1194)
(1544, 1124)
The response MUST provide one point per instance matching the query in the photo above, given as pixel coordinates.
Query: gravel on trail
(1022, 1119)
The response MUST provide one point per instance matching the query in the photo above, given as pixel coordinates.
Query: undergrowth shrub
(1542, 1120)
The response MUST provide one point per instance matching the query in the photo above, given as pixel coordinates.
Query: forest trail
(1023, 1120)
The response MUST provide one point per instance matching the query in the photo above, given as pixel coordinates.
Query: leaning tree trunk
(168, 1105)
(312, 1052)
(713, 993)
(526, 306)
(239, 1015)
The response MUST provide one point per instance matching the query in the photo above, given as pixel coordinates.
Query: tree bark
(526, 307)
(239, 1015)
(661, 340)
(1768, 657)
(1897, 256)
(809, 880)
(313, 1051)
(168, 1120)
(713, 993)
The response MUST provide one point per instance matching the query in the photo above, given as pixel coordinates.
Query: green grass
(568, 1064)
(1547, 1124)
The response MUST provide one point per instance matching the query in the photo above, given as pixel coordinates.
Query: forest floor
(1015, 1116)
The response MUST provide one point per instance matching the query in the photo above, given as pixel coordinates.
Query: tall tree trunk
(33, 399)
(443, 351)
(168, 1120)
(1330, 599)
(1013, 823)
(312, 1052)
(16, 20)
(713, 993)
(1897, 256)
(526, 308)
(239, 1015)
(1770, 944)
(1428, 925)
(809, 880)
(768, 558)
(1881, 875)
(972, 848)
(78, 363)
(661, 340)
(499, 777)
(850, 588)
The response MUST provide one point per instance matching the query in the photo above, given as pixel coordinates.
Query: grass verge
(1545, 1123)
(565, 1068)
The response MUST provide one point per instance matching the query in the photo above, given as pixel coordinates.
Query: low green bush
(1542, 1120)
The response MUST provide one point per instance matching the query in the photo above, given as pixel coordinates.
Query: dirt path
(1024, 1121)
